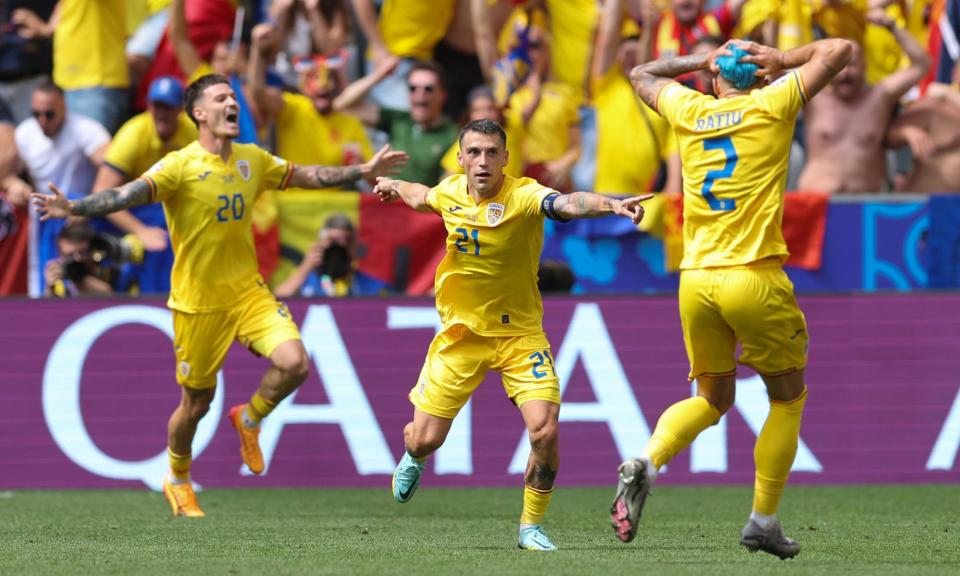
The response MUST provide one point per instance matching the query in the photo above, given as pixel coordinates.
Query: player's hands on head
(768, 59)
(632, 207)
(386, 162)
(51, 206)
(712, 56)
(386, 189)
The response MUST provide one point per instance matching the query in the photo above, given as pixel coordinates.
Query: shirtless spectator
(931, 127)
(847, 123)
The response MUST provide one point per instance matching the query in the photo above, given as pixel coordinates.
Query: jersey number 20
(230, 207)
(724, 143)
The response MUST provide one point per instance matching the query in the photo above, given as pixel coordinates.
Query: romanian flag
(944, 45)
(397, 246)
(804, 228)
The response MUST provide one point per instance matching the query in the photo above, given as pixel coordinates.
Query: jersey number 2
(724, 143)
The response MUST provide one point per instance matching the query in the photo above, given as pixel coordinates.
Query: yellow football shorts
(259, 321)
(458, 360)
(751, 304)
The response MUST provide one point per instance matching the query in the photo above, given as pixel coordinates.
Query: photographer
(77, 271)
(329, 267)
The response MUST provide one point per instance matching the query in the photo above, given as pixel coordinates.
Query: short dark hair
(49, 87)
(483, 127)
(338, 222)
(195, 92)
(77, 232)
(429, 67)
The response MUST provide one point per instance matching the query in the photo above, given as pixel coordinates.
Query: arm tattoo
(540, 476)
(325, 176)
(649, 78)
(582, 205)
(131, 194)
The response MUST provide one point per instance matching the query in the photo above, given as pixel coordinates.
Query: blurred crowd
(91, 92)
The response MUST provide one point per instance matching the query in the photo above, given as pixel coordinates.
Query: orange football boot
(182, 499)
(249, 440)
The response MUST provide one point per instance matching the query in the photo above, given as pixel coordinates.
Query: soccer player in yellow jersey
(216, 294)
(491, 310)
(734, 150)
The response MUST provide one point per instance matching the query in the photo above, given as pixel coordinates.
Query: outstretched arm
(130, 195)
(413, 195)
(383, 163)
(590, 205)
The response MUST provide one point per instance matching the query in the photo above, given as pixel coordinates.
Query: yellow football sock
(179, 465)
(774, 452)
(535, 504)
(259, 408)
(678, 426)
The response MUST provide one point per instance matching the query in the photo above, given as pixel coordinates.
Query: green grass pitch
(853, 530)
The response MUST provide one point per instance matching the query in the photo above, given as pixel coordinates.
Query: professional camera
(337, 263)
(104, 258)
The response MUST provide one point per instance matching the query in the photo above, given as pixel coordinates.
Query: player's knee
(295, 365)
(197, 407)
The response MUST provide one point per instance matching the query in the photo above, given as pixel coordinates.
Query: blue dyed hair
(740, 74)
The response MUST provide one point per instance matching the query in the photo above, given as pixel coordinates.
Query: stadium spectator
(226, 60)
(457, 52)
(308, 28)
(571, 29)
(138, 145)
(482, 106)
(491, 310)
(679, 29)
(634, 143)
(931, 127)
(733, 292)
(548, 109)
(408, 29)
(703, 79)
(15, 190)
(424, 133)
(89, 61)
(146, 37)
(26, 51)
(60, 147)
(330, 266)
(75, 271)
(217, 295)
(847, 124)
(491, 45)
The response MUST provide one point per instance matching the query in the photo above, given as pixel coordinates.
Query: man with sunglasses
(424, 133)
(62, 148)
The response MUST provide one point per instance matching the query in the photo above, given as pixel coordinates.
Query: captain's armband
(547, 206)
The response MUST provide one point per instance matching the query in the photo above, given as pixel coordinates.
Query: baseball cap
(166, 90)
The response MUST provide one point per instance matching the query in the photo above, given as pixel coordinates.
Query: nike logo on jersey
(203, 175)
(453, 209)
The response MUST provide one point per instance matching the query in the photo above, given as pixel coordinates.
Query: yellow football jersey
(208, 205)
(488, 277)
(734, 153)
